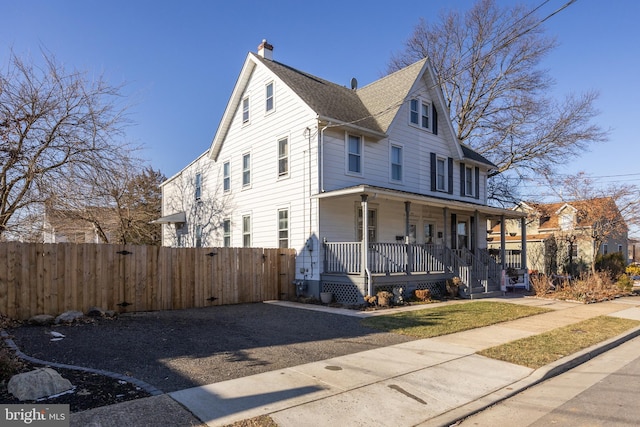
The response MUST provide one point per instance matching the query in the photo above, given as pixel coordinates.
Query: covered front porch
(432, 241)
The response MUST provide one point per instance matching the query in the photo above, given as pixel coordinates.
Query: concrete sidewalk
(426, 382)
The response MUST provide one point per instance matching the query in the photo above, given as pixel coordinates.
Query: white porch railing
(389, 258)
(512, 258)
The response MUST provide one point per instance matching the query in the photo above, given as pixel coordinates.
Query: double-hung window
(468, 181)
(283, 228)
(283, 157)
(198, 185)
(198, 236)
(396, 163)
(246, 231)
(245, 110)
(372, 225)
(354, 154)
(226, 176)
(226, 232)
(246, 170)
(441, 174)
(269, 97)
(420, 113)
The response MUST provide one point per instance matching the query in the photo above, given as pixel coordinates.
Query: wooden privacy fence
(37, 278)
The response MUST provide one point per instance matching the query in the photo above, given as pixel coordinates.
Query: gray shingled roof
(372, 107)
(470, 154)
(325, 98)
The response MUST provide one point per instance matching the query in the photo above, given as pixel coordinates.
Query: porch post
(445, 233)
(477, 231)
(523, 252)
(503, 255)
(503, 241)
(365, 235)
(409, 263)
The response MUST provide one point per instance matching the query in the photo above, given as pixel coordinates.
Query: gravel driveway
(173, 350)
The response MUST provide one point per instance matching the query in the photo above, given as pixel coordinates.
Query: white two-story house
(369, 185)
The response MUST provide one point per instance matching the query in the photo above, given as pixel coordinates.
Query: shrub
(624, 283)
(614, 264)
(540, 284)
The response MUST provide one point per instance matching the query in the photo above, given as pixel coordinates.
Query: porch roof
(405, 196)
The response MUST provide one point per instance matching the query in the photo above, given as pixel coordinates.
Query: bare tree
(487, 62)
(54, 124)
(119, 205)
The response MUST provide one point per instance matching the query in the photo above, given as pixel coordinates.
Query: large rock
(36, 384)
(69, 317)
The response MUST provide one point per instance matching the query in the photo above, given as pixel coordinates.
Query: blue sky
(180, 59)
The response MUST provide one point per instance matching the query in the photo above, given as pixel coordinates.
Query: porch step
(481, 294)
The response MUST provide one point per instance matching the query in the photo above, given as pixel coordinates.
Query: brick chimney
(265, 50)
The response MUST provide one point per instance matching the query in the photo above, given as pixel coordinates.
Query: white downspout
(322, 157)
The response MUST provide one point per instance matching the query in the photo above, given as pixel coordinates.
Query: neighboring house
(561, 234)
(92, 225)
(300, 162)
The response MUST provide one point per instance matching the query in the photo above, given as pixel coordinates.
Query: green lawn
(447, 319)
(539, 350)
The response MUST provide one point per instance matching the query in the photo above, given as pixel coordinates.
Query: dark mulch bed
(90, 390)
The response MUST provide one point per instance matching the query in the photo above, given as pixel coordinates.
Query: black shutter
(450, 170)
(462, 180)
(434, 119)
(477, 183)
(433, 171)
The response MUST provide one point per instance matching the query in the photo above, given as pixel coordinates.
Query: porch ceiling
(404, 196)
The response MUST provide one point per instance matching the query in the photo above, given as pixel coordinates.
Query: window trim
(400, 147)
(285, 174)
(348, 154)
(246, 170)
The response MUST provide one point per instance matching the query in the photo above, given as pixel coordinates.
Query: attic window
(420, 114)
(566, 221)
(245, 110)
(269, 96)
